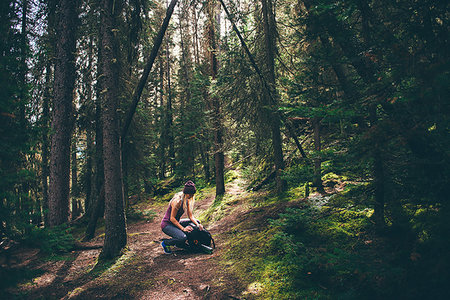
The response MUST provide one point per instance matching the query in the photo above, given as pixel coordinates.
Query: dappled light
(222, 149)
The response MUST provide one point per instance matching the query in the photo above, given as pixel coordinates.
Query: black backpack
(200, 240)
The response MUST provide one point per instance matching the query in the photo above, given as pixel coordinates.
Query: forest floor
(143, 272)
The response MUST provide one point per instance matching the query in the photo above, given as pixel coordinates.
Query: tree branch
(263, 80)
(140, 87)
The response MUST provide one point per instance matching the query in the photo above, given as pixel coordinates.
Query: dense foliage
(315, 94)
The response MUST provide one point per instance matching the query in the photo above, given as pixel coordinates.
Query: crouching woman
(173, 225)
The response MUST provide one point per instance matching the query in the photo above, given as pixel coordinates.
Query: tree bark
(23, 64)
(115, 224)
(46, 109)
(275, 123)
(74, 172)
(195, 35)
(293, 135)
(98, 205)
(124, 164)
(45, 142)
(219, 159)
(205, 162)
(96, 212)
(89, 133)
(88, 176)
(25, 201)
(169, 114)
(163, 137)
(62, 112)
(187, 152)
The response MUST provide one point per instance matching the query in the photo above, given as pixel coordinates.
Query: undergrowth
(221, 206)
(328, 252)
(137, 214)
(52, 240)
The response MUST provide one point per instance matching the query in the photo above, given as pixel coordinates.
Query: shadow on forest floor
(142, 272)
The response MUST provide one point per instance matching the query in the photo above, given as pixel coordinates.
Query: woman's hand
(200, 226)
(188, 228)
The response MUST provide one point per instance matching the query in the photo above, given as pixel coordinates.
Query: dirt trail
(144, 272)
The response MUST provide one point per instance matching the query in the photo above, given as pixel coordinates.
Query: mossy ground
(269, 247)
(288, 247)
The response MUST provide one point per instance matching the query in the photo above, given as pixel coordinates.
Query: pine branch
(261, 77)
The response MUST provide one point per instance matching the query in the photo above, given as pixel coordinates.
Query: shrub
(57, 239)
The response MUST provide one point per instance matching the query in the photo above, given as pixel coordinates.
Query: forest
(316, 132)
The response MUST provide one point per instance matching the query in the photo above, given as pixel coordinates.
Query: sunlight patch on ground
(119, 265)
(75, 292)
(253, 288)
(41, 281)
(317, 200)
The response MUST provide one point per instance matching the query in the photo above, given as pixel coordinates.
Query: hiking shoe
(166, 248)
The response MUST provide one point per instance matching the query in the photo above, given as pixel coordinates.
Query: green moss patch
(300, 252)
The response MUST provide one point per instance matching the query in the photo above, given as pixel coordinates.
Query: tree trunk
(147, 183)
(115, 224)
(317, 182)
(187, 152)
(275, 123)
(163, 138)
(75, 208)
(23, 65)
(45, 142)
(205, 162)
(169, 120)
(26, 204)
(219, 160)
(62, 112)
(89, 132)
(46, 109)
(203, 144)
(195, 35)
(95, 213)
(98, 205)
(125, 176)
(378, 176)
(140, 87)
(88, 176)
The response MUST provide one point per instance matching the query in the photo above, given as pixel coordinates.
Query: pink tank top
(166, 219)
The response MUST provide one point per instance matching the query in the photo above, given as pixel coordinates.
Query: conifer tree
(215, 101)
(62, 118)
(115, 224)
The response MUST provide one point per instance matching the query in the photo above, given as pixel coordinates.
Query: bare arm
(175, 207)
(191, 216)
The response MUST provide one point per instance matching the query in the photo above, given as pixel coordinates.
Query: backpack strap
(212, 240)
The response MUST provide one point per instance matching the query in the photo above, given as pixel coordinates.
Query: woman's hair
(181, 196)
(191, 203)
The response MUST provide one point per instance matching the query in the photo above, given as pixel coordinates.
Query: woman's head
(189, 191)
(189, 188)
